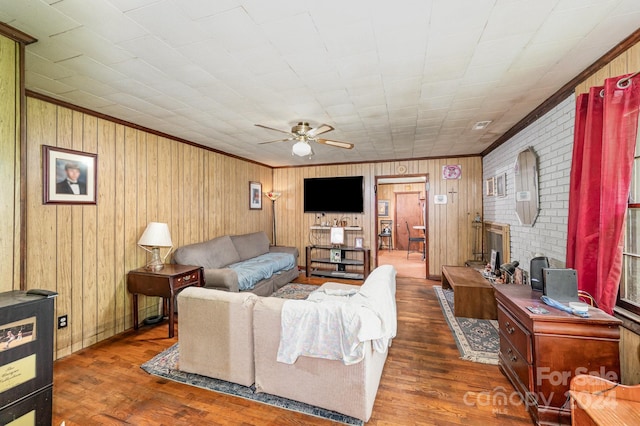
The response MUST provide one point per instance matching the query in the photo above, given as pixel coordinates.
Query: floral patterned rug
(295, 291)
(478, 340)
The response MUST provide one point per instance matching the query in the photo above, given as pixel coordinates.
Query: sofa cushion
(250, 245)
(212, 254)
(258, 268)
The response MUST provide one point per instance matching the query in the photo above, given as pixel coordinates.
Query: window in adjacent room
(629, 297)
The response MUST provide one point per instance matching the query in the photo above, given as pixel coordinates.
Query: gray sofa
(242, 263)
(241, 339)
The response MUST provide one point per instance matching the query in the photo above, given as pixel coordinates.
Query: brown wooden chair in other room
(420, 240)
(386, 233)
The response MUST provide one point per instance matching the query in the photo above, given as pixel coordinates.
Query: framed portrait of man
(69, 177)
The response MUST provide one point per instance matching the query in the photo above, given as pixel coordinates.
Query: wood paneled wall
(9, 164)
(85, 251)
(450, 232)
(625, 63)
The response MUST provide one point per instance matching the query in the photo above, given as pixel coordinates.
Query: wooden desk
(541, 353)
(596, 401)
(164, 283)
(473, 295)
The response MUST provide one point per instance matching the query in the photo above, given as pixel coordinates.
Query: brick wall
(551, 137)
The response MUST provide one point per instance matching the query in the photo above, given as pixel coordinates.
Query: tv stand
(344, 268)
(326, 228)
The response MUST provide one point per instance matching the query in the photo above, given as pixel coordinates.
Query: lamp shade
(301, 149)
(510, 268)
(156, 235)
(273, 195)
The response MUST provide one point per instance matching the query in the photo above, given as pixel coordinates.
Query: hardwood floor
(411, 266)
(424, 381)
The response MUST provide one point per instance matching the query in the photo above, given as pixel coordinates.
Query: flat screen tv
(343, 194)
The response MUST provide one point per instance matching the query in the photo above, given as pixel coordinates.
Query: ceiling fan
(303, 133)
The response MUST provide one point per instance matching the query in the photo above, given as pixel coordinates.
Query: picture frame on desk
(358, 242)
(335, 255)
(494, 261)
(337, 236)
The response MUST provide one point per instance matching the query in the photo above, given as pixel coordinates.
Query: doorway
(408, 213)
(402, 200)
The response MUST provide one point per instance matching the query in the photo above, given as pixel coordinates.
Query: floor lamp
(273, 196)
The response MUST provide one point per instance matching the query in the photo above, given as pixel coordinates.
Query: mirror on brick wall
(526, 183)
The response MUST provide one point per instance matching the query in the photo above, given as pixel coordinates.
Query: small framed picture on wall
(501, 185)
(383, 208)
(490, 187)
(255, 196)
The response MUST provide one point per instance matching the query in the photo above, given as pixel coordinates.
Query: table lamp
(155, 236)
(510, 268)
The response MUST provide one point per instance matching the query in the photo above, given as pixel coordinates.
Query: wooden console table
(473, 295)
(541, 353)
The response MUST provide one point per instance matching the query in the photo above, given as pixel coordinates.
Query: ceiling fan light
(301, 149)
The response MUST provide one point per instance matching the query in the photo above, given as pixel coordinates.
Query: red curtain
(604, 145)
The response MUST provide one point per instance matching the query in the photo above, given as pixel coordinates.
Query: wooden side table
(164, 283)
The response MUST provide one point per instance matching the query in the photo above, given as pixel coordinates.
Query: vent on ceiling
(481, 125)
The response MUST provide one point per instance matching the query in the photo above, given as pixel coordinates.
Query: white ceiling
(399, 79)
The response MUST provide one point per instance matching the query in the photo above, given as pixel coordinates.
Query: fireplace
(496, 237)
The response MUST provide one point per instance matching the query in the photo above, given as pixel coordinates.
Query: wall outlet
(62, 321)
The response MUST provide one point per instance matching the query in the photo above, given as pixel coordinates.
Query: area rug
(295, 291)
(478, 340)
(165, 365)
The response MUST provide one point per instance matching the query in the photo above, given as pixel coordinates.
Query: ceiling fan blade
(271, 128)
(323, 128)
(278, 140)
(339, 144)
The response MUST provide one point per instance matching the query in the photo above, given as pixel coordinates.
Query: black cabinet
(26, 358)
